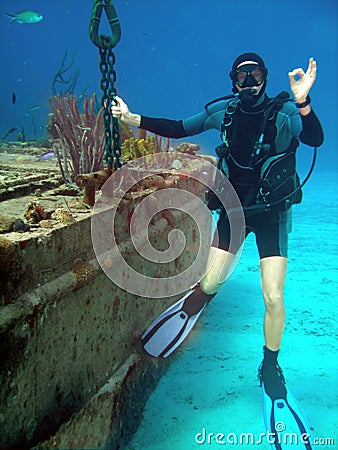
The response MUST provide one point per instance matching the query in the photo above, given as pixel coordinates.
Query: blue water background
(173, 57)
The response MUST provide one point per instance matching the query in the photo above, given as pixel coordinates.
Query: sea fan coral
(81, 138)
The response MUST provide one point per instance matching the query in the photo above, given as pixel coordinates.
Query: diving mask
(248, 75)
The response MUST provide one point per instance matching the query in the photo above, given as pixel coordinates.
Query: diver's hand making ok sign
(301, 82)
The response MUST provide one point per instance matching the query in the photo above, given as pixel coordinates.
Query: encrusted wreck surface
(73, 374)
(23, 174)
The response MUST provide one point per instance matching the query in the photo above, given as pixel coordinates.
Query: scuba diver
(260, 136)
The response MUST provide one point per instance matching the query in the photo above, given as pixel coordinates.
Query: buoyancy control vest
(272, 181)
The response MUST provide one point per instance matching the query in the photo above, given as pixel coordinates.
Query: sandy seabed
(212, 382)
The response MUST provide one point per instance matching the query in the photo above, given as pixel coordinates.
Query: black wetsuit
(272, 227)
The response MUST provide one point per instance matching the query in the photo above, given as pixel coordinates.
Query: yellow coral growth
(134, 148)
(64, 216)
(84, 273)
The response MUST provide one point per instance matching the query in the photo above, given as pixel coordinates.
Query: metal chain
(107, 60)
(111, 124)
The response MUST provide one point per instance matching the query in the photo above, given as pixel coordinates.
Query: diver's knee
(274, 300)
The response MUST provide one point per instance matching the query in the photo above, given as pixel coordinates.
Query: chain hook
(101, 40)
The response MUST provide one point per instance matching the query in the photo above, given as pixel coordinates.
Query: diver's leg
(170, 329)
(219, 266)
(279, 407)
(273, 272)
(221, 261)
(272, 239)
(271, 229)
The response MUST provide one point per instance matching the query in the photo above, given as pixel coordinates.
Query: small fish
(47, 156)
(34, 108)
(25, 17)
(83, 128)
(13, 98)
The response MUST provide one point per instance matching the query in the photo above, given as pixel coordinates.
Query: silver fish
(34, 108)
(25, 17)
(47, 156)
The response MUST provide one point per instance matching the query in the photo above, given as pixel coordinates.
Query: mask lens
(241, 76)
(249, 72)
(257, 74)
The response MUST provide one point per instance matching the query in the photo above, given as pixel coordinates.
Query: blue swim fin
(170, 329)
(285, 423)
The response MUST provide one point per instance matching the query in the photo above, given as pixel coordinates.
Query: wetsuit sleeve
(203, 121)
(312, 133)
(164, 127)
